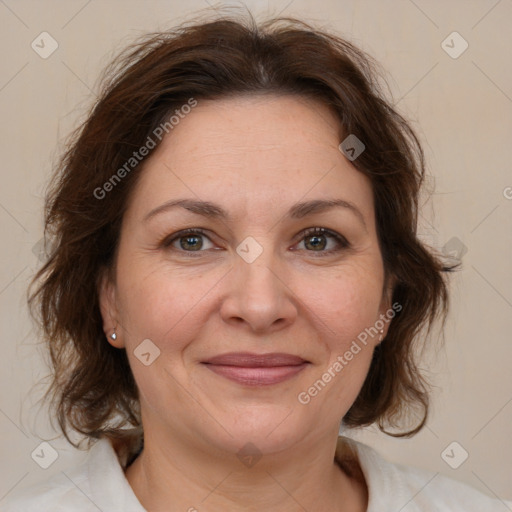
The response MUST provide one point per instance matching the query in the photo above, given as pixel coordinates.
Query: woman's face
(203, 315)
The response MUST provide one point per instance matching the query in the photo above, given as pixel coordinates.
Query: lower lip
(261, 376)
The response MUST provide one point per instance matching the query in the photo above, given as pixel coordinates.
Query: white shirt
(99, 484)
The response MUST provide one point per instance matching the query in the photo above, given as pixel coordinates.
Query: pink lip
(256, 369)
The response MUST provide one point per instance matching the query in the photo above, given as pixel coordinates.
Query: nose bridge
(260, 275)
(257, 279)
(258, 295)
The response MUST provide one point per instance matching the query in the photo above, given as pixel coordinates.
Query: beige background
(463, 110)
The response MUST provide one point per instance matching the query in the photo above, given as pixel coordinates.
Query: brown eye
(315, 242)
(192, 242)
(189, 240)
(318, 239)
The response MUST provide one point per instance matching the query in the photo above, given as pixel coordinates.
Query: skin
(255, 156)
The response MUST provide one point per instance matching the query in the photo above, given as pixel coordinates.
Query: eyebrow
(297, 211)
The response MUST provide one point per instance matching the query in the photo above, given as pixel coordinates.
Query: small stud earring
(114, 335)
(381, 337)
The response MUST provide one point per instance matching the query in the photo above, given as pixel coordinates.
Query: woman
(235, 272)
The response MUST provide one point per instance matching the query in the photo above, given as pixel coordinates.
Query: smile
(256, 369)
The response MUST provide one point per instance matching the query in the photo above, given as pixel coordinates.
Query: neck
(178, 477)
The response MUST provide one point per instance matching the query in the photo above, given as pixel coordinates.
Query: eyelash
(341, 240)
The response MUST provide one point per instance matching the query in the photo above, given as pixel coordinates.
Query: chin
(271, 429)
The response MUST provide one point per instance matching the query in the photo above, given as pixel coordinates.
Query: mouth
(256, 369)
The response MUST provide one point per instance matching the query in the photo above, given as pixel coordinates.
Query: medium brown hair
(93, 390)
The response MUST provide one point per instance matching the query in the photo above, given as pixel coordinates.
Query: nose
(260, 296)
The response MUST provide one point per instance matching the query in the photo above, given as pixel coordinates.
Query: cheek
(347, 302)
(168, 309)
(348, 305)
(161, 304)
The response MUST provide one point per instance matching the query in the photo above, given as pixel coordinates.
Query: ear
(387, 294)
(108, 308)
(387, 310)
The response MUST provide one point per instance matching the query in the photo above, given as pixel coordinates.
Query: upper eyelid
(302, 234)
(317, 230)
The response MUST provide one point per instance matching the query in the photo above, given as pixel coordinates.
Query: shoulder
(408, 489)
(97, 484)
(67, 490)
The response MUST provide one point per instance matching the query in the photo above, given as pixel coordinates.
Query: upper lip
(251, 360)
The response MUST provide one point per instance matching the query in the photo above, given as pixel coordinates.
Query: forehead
(266, 148)
(263, 123)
